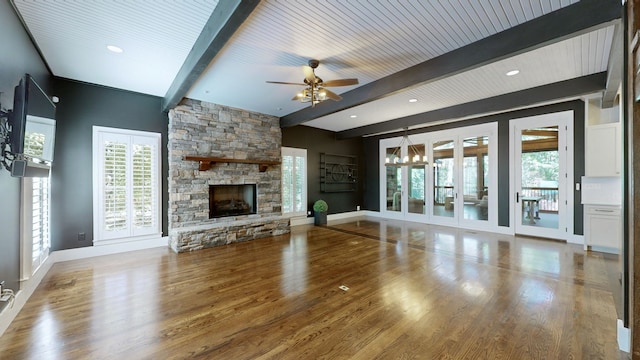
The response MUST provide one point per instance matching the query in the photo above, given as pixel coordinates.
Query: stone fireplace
(202, 129)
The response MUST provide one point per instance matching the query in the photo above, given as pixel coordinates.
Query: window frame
(295, 153)
(131, 232)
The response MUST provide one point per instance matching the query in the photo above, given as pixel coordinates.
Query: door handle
(517, 197)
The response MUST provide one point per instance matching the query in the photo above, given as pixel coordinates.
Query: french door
(464, 177)
(455, 188)
(541, 188)
(403, 194)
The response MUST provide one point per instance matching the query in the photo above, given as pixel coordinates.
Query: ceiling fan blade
(284, 83)
(340, 82)
(309, 75)
(331, 95)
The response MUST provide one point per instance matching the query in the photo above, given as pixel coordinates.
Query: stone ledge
(222, 222)
(217, 234)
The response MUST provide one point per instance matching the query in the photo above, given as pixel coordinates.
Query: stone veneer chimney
(204, 129)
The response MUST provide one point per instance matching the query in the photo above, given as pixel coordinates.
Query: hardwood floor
(415, 292)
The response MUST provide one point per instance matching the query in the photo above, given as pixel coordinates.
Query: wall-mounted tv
(33, 126)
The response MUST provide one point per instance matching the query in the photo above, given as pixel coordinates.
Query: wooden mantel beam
(206, 162)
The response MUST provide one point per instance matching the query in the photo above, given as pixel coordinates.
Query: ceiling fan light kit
(315, 91)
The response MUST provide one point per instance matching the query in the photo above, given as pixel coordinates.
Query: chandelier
(417, 157)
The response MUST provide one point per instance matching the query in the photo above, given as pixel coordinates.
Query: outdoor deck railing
(549, 195)
(548, 203)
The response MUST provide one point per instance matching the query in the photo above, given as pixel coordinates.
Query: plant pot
(320, 218)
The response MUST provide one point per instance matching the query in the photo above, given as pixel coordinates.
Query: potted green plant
(320, 208)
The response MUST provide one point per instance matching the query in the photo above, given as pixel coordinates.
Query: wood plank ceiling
(368, 40)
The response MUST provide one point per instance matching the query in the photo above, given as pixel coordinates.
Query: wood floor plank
(415, 292)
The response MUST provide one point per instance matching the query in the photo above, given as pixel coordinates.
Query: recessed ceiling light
(353, 116)
(413, 100)
(513, 72)
(114, 49)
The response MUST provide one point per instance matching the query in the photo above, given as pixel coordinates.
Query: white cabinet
(603, 228)
(603, 150)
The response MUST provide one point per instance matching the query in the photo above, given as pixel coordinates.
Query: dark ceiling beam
(523, 98)
(614, 70)
(569, 21)
(222, 24)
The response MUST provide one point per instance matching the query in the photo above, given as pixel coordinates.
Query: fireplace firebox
(232, 200)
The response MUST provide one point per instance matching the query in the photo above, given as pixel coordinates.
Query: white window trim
(296, 152)
(97, 208)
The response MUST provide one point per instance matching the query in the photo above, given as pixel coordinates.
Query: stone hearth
(206, 129)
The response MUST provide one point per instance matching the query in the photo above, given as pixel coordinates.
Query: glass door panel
(475, 186)
(416, 181)
(444, 178)
(393, 180)
(540, 177)
(543, 206)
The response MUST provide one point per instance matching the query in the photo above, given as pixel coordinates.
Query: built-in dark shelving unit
(338, 173)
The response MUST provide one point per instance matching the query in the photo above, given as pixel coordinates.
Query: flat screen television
(33, 126)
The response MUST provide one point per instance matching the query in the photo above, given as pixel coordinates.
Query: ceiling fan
(315, 91)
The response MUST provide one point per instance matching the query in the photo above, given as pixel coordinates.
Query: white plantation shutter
(300, 184)
(287, 183)
(40, 221)
(36, 231)
(144, 187)
(126, 203)
(294, 181)
(114, 188)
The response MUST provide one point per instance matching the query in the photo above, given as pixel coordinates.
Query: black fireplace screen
(232, 200)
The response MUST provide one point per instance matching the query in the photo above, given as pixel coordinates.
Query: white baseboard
(575, 239)
(301, 221)
(108, 249)
(503, 230)
(330, 217)
(346, 215)
(624, 337)
(27, 287)
(605, 249)
(371, 213)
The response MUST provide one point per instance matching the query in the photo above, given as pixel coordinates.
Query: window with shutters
(40, 236)
(294, 181)
(35, 224)
(126, 184)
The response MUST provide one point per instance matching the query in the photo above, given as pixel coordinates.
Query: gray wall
(318, 141)
(17, 57)
(81, 107)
